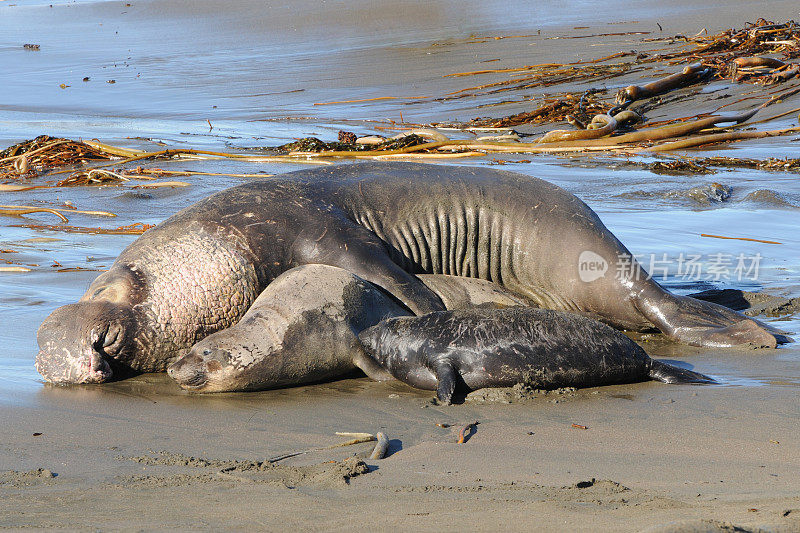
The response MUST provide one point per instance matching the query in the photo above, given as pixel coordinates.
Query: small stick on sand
(355, 435)
(362, 437)
(372, 100)
(739, 238)
(463, 434)
(357, 440)
(379, 452)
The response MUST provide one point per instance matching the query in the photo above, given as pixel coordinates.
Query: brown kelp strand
(133, 229)
(690, 75)
(715, 138)
(16, 211)
(100, 176)
(19, 210)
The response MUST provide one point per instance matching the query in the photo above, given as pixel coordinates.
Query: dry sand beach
(140, 454)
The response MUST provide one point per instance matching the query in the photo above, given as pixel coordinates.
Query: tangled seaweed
(742, 55)
(45, 153)
(579, 105)
(312, 144)
(757, 38)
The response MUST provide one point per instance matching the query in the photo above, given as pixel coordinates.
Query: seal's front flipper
(700, 323)
(447, 377)
(345, 244)
(674, 374)
(371, 368)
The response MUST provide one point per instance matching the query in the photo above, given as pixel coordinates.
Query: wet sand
(141, 454)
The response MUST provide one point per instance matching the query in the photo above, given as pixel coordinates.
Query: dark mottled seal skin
(304, 328)
(197, 272)
(503, 347)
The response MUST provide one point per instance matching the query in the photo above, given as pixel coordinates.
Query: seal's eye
(206, 352)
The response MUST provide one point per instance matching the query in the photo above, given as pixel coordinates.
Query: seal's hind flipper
(701, 323)
(673, 374)
(447, 376)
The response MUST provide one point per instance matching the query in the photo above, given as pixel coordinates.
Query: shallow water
(255, 74)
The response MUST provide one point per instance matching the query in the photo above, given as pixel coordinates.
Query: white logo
(591, 266)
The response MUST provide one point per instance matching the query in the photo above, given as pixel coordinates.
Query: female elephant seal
(304, 327)
(502, 347)
(199, 271)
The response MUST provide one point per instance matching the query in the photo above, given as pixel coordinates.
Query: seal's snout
(189, 372)
(95, 369)
(68, 341)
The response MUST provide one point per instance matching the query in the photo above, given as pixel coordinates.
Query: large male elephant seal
(503, 347)
(199, 271)
(304, 327)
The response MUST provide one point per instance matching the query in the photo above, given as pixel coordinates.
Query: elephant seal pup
(304, 328)
(198, 271)
(481, 348)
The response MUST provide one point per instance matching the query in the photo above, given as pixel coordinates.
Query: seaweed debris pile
(623, 119)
